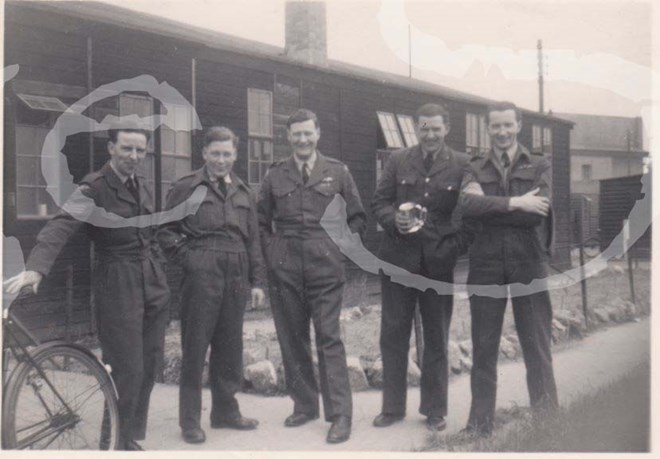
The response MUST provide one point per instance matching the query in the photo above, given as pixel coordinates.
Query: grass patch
(616, 418)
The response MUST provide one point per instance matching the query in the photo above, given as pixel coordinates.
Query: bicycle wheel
(71, 404)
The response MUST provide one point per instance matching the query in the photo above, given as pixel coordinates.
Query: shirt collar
(227, 177)
(121, 176)
(310, 162)
(511, 151)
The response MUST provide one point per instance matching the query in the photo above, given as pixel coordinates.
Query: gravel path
(581, 367)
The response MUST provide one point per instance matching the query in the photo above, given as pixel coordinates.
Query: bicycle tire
(34, 417)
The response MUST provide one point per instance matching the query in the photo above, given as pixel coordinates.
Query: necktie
(131, 185)
(428, 161)
(222, 186)
(506, 162)
(305, 173)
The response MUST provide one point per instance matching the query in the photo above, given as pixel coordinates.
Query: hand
(14, 284)
(258, 297)
(402, 222)
(531, 203)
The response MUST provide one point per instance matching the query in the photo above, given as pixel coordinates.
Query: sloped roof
(123, 17)
(600, 132)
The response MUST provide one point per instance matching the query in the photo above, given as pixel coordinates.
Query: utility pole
(409, 53)
(539, 45)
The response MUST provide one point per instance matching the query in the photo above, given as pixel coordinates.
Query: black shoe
(237, 422)
(298, 419)
(386, 419)
(194, 435)
(340, 431)
(132, 445)
(436, 423)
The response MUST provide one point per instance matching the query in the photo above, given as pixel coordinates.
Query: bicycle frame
(59, 422)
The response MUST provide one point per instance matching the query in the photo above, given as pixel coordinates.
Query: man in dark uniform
(219, 250)
(130, 289)
(513, 247)
(306, 272)
(429, 174)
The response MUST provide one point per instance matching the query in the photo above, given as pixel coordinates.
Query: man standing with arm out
(220, 253)
(428, 174)
(131, 292)
(306, 272)
(513, 247)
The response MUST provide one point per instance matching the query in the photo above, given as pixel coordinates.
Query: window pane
(183, 167)
(26, 170)
(167, 139)
(26, 201)
(255, 150)
(147, 167)
(267, 154)
(168, 171)
(264, 169)
(183, 142)
(45, 203)
(253, 172)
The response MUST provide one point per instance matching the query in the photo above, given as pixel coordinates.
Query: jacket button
(427, 180)
(426, 195)
(403, 182)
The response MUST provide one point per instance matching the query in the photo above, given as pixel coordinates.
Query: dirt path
(583, 367)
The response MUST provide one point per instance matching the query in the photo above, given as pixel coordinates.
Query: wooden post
(69, 302)
(583, 280)
(629, 256)
(419, 335)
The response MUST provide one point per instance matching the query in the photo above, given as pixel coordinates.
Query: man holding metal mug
(413, 202)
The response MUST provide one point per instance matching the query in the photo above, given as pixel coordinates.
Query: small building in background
(602, 147)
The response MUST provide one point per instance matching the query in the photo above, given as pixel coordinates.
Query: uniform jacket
(229, 223)
(405, 179)
(526, 172)
(110, 194)
(287, 206)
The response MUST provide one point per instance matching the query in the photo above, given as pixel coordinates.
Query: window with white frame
(547, 140)
(32, 198)
(537, 138)
(476, 134)
(407, 126)
(175, 145)
(390, 130)
(260, 134)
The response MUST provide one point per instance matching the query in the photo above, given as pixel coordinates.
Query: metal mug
(415, 213)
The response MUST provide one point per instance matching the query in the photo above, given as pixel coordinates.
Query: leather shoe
(386, 420)
(298, 419)
(238, 422)
(340, 431)
(132, 445)
(436, 423)
(194, 435)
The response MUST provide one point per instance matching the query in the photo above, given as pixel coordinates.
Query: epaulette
(277, 163)
(333, 160)
(91, 177)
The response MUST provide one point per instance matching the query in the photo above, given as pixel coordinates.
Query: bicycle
(58, 395)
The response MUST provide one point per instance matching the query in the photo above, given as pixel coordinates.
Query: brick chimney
(305, 37)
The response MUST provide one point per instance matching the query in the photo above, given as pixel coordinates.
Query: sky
(597, 54)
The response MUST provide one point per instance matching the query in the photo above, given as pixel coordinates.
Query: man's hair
(220, 134)
(300, 116)
(114, 133)
(431, 110)
(503, 106)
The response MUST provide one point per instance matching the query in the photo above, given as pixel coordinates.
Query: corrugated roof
(123, 17)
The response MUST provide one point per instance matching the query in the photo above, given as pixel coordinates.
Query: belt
(219, 243)
(303, 233)
(105, 256)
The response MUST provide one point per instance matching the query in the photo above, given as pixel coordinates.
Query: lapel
(442, 160)
(146, 199)
(416, 160)
(318, 173)
(115, 183)
(232, 187)
(291, 170)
